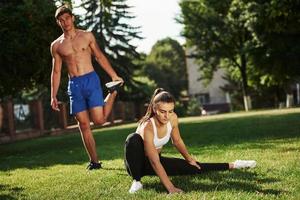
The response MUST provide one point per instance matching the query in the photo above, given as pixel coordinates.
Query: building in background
(212, 98)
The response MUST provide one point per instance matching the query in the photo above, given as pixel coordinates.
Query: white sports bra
(158, 142)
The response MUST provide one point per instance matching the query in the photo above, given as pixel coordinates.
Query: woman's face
(163, 111)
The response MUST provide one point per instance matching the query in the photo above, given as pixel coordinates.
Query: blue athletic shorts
(85, 92)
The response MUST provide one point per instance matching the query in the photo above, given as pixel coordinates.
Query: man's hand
(193, 162)
(117, 78)
(54, 104)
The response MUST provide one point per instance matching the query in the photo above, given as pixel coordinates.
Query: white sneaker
(136, 185)
(113, 85)
(240, 164)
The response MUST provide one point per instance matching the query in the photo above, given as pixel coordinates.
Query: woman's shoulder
(148, 132)
(145, 125)
(148, 125)
(174, 120)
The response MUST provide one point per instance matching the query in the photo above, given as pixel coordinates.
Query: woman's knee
(134, 139)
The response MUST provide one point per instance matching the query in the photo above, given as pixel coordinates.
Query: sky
(157, 21)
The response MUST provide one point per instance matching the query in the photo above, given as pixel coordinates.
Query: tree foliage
(276, 58)
(257, 39)
(220, 30)
(27, 29)
(166, 66)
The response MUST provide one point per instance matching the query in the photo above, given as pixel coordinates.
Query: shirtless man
(75, 48)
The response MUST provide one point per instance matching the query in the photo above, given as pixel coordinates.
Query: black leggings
(138, 165)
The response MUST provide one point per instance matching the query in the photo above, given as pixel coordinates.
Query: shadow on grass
(214, 181)
(250, 132)
(65, 150)
(112, 169)
(10, 193)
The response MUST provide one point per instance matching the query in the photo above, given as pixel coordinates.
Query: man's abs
(79, 65)
(75, 71)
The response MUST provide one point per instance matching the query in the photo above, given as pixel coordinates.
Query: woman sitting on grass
(143, 148)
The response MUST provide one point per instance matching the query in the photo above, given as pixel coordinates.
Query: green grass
(54, 167)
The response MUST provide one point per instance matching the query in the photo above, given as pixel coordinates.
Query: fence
(34, 119)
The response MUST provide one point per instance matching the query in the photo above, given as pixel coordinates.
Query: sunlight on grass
(54, 167)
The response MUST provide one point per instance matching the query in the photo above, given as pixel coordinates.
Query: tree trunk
(1, 117)
(247, 103)
(298, 93)
(289, 100)
(243, 70)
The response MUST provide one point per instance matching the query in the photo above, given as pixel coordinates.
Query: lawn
(54, 167)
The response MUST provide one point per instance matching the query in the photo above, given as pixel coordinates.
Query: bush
(180, 109)
(194, 107)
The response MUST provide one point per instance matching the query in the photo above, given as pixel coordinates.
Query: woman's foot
(240, 164)
(136, 185)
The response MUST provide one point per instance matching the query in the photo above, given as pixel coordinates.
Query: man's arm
(102, 60)
(179, 144)
(153, 156)
(55, 75)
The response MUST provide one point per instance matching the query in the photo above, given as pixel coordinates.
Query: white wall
(216, 94)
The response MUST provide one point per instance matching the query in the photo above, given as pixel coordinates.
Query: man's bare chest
(70, 47)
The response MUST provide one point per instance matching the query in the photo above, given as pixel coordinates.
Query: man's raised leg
(99, 114)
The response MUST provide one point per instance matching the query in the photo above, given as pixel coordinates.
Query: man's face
(66, 22)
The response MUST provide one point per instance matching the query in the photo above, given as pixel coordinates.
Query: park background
(246, 52)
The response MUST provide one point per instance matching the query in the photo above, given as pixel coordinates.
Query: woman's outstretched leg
(134, 160)
(177, 166)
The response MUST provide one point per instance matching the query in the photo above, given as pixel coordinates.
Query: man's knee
(84, 125)
(99, 120)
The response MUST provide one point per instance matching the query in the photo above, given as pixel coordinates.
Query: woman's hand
(193, 162)
(174, 190)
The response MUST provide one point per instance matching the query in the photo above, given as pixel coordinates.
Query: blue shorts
(85, 92)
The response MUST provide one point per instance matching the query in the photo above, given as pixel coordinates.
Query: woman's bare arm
(179, 144)
(153, 156)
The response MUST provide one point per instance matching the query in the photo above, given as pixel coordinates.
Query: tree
(256, 41)
(108, 20)
(166, 66)
(276, 58)
(221, 33)
(27, 28)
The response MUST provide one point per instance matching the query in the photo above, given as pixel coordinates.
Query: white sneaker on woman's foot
(240, 164)
(136, 185)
